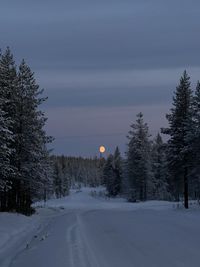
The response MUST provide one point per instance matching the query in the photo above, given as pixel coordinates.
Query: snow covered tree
(194, 183)
(30, 138)
(179, 144)
(138, 160)
(8, 96)
(5, 140)
(57, 181)
(74, 172)
(65, 177)
(117, 169)
(5, 134)
(109, 175)
(23, 153)
(159, 169)
(5, 152)
(112, 173)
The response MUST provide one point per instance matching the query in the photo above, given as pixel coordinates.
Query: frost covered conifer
(23, 152)
(109, 175)
(159, 169)
(31, 152)
(195, 181)
(8, 99)
(58, 179)
(5, 151)
(112, 173)
(117, 169)
(179, 144)
(138, 160)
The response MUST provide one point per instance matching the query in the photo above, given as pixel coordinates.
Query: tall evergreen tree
(5, 153)
(5, 134)
(159, 169)
(195, 182)
(117, 169)
(65, 180)
(112, 173)
(179, 144)
(9, 98)
(30, 141)
(23, 152)
(5, 140)
(109, 175)
(138, 159)
(58, 179)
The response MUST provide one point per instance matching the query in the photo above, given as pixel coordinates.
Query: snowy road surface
(95, 233)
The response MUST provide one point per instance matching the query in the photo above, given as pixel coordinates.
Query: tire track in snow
(88, 246)
(79, 250)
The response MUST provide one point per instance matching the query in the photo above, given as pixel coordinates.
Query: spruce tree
(5, 136)
(117, 169)
(58, 179)
(24, 157)
(9, 98)
(31, 152)
(5, 153)
(109, 175)
(195, 182)
(5, 140)
(138, 160)
(159, 169)
(179, 144)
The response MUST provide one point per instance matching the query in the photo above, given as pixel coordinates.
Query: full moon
(102, 149)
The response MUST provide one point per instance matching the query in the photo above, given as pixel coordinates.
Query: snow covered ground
(83, 231)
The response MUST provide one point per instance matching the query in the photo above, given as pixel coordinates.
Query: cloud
(111, 87)
(102, 34)
(112, 77)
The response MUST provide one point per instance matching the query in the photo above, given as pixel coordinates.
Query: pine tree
(117, 169)
(8, 98)
(109, 175)
(65, 177)
(138, 160)
(30, 138)
(5, 153)
(179, 144)
(159, 169)
(5, 140)
(24, 157)
(195, 182)
(5, 137)
(58, 179)
(112, 173)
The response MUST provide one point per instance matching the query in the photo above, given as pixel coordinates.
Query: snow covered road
(93, 233)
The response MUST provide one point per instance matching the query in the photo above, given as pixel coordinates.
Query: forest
(150, 169)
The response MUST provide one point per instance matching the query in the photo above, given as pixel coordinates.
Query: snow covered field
(83, 231)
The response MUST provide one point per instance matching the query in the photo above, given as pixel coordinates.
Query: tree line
(75, 172)
(153, 169)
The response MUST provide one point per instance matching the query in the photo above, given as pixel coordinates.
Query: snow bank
(17, 230)
(13, 225)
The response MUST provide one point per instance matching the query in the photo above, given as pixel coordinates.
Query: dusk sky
(103, 61)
